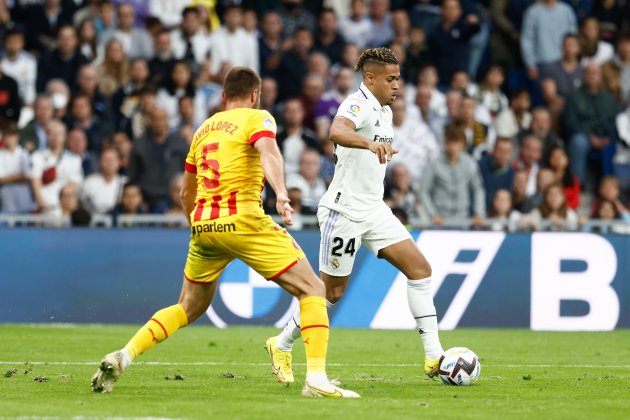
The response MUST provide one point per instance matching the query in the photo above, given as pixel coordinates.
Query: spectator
(33, 136)
(10, 102)
(381, 21)
(131, 202)
(519, 191)
(429, 77)
(561, 77)
(496, 170)
(611, 212)
(490, 95)
(326, 107)
(187, 114)
(414, 140)
(250, 22)
(53, 168)
(127, 98)
(105, 19)
(140, 116)
(541, 128)
(44, 22)
(102, 190)
(506, 17)
(401, 27)
(553, 210)
(294, 138)
(544, 26)
(449, 44)
(308, 181)
(558, 162)
(609, 189)
(112, 73)
(312, 89)
(169, 12)
(501, 214)
(453, 105)
(88, 39)
(270, 44)
(590, 121)
(400, 194)
(609, 14)
(20, 65)
(82, 116)
(544, 178)
(513, 121)
(59, 92)
(319, 63)
(479, 137)
(123, 145)
(448, 183)
(268, 96)
(63, 62)
(616, 72)
(294, 64)
(622, 155)
(77, 143)
(68, 204)
(136, 42)
(529, 161)
(189, 41)
(87, 83)
(417, 54)
(174, 189)
(178, 85)
(461, 81)
(328, 39)
(15, 193)
(231, 45)
(593, 49)
(163, 59)
(155, 159)
(294, 17)
(356, 27)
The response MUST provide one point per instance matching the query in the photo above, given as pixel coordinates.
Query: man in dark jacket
(590, 121)
(155, 159)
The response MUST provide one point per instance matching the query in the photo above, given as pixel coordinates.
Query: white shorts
(341, 237)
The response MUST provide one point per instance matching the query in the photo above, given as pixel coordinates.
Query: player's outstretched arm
(273, 167)
(188, 194)
(342, 132)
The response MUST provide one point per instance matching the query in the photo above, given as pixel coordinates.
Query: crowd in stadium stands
(511, 114)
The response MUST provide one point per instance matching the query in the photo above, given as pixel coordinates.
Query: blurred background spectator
(132, 80)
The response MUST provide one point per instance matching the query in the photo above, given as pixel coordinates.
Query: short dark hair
(190, 9)
(13, 31)
(381, 55)
(240, 82)
(454, 133)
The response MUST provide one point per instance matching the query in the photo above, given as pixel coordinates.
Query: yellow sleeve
(261, 124)
(191, 163)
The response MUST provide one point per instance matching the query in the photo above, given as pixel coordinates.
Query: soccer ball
(459, 366)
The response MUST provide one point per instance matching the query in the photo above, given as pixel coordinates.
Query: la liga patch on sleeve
(354, 109)
(267, 122)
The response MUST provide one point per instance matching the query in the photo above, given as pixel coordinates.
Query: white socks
(291, 331)
(420, 301)
(126, 358)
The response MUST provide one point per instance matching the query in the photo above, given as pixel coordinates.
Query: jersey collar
(363, 90)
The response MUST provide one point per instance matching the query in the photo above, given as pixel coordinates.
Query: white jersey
(357, 186)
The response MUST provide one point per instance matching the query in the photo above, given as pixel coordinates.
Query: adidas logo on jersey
(377, 124)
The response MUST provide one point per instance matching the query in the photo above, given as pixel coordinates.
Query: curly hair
(381, 55)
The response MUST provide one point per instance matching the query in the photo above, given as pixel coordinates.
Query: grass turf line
(523, 374)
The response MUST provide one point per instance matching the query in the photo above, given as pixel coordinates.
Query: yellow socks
(163, 324)
(315, 331)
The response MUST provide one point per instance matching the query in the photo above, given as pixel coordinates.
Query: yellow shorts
(253, 238)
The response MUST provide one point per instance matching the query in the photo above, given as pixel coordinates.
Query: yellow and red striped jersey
(229, 176)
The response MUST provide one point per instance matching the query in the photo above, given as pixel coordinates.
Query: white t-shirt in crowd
(68, 169)
(99, 196)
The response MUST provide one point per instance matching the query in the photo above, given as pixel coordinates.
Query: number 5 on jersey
(213, 182)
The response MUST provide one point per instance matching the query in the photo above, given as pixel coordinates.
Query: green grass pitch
(226, 374)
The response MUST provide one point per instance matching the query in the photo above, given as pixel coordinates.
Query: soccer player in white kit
(353, 212)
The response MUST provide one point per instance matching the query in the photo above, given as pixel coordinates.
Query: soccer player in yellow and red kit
(231, 155)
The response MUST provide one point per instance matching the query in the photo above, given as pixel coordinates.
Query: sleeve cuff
(190, 168)
(257, 136)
